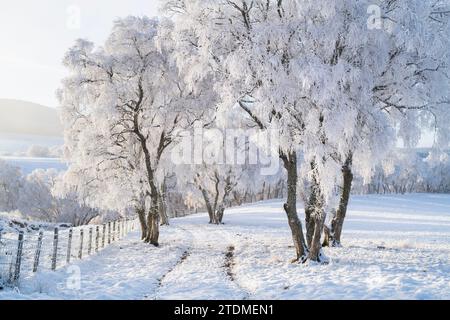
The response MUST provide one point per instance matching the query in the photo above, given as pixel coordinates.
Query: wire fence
(23, 254)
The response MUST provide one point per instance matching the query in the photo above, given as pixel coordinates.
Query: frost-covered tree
(411, 85)
(11, 182)
(278, 60)
(121, 108)
(36, 199)
(44, 197)
(307, 69)
(208, 175)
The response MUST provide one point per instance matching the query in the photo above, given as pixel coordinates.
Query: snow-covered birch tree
(410, 85)
(121, 106)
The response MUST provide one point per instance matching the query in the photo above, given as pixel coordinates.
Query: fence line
(25, 254)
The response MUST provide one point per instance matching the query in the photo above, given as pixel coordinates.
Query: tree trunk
(315, 249)
(290, 163)
(309, 219)
(338, 223)
(334, 235)
(327, 236)
(208, 205)
(263, 191)
(153, 226)
(221, 206)
(141, 214)
(153, 216)
(163, 205)
(219, 214)
(316, 217)
(163, 213)
(153, 222)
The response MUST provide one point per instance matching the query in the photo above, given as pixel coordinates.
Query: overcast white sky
(34, 36)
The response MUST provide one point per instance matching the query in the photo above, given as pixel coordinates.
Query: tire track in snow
(184, 256)
(230, 262)
(202, 274)
(229, 266)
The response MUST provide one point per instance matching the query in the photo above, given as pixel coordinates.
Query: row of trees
(409, 171)
(43, 196)
(336, 93)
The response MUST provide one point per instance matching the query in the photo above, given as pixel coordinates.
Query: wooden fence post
(103, 235)
(69, 246)
(96, 238)
(109, 232)
(37, 254)
(55, 248)
(90, 242)
(18, 257)
(80, 252)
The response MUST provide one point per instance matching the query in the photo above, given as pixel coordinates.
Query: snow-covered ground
(11, 144)
(395, 247)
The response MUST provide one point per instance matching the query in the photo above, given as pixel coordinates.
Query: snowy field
(28, 165)
(11, 144)
(395, 247)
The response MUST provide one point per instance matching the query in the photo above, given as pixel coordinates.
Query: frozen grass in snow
(394, 247)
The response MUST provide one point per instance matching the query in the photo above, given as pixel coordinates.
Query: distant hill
(26, 118)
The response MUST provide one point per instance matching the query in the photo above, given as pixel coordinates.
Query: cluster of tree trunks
(151, 221)
(216, 208)
(308, 248)
(315, 215)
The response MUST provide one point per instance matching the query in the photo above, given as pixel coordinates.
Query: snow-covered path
(202, 272)
(394, 247)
